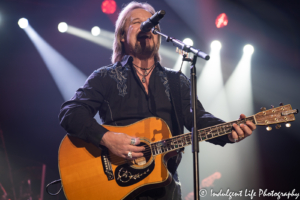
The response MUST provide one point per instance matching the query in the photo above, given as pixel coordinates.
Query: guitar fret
(153, 147)
(176, 145)
(186, 139)
(180, 141)
(189, 139)
(159, 150)
(186, 142)
(210, 132)
(167, 145)
(224, 129)
(203, 134)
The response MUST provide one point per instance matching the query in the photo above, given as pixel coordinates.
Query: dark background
(30, 100)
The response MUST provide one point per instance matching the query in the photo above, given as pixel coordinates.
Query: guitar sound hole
(147, 155)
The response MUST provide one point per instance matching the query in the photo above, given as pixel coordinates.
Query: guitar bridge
(106, 164)
(140, 161)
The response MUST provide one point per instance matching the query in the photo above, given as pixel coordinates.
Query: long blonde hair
(118, 49)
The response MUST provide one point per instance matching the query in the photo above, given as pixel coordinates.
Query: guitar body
(90, 173)
(82, 167)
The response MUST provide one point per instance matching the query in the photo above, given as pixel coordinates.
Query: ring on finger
(241, 137)
(129, 154)
(132, 142)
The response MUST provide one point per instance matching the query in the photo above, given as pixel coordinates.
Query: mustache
(143, 35)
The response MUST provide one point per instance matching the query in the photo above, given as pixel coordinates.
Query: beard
(144, 50)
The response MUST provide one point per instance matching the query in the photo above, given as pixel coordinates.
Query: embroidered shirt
(118, 94)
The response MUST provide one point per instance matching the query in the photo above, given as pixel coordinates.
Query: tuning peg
(263, 108)
(281, 104)
(272, 106)
(288, 125)
(278, 126)
(269, 128)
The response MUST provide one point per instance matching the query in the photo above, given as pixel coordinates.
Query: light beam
(66, 76)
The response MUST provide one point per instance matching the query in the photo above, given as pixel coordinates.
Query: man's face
(136, 42)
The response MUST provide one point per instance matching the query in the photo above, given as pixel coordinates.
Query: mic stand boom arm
(182, 45)
(195, 141)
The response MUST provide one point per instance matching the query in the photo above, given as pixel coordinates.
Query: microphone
(147, 25)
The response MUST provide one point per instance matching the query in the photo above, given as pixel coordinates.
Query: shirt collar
(127, 59)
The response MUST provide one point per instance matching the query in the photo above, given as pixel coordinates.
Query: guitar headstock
(278, 115)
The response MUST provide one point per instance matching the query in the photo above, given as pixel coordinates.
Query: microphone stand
(195, 142)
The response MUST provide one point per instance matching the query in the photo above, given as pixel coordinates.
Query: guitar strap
(175, 94)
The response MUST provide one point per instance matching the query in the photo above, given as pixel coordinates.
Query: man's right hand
(120, 145)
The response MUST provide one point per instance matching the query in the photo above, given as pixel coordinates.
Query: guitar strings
(148, 151)
(167, 145)
(169, 141)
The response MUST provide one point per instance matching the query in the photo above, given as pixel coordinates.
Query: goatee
(143, 50)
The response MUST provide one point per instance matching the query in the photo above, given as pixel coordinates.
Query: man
(134, 87)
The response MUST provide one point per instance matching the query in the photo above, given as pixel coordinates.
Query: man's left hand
(242, 131)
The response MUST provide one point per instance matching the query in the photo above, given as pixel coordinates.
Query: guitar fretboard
(183, 140)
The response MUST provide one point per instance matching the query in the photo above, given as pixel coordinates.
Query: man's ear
(123, 37)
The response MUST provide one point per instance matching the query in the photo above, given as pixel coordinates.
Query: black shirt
(118, 94)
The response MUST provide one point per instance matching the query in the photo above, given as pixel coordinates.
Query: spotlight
(108, 6)
(248, 49)
(23, 23)
(221, 20)
(216, 45)
(95, 31)
(62, 27)
(188, 41)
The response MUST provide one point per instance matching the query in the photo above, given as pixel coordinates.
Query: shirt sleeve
(77, 115)
(204, 119)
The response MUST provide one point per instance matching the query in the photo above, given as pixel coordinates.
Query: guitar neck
(184, 140)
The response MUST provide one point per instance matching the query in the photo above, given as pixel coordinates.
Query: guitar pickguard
(125, 175)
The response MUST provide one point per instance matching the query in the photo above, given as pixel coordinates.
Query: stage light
(95, 31)
(59, 67)
(240, 80)
(216, 45)
(108, 6)
(188, 41)
(240, 100)
(23, 22)
(213, 97)
(248, 49)
(62, 27)
(221, 20)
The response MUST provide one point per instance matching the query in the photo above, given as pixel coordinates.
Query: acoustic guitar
(90, 173)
